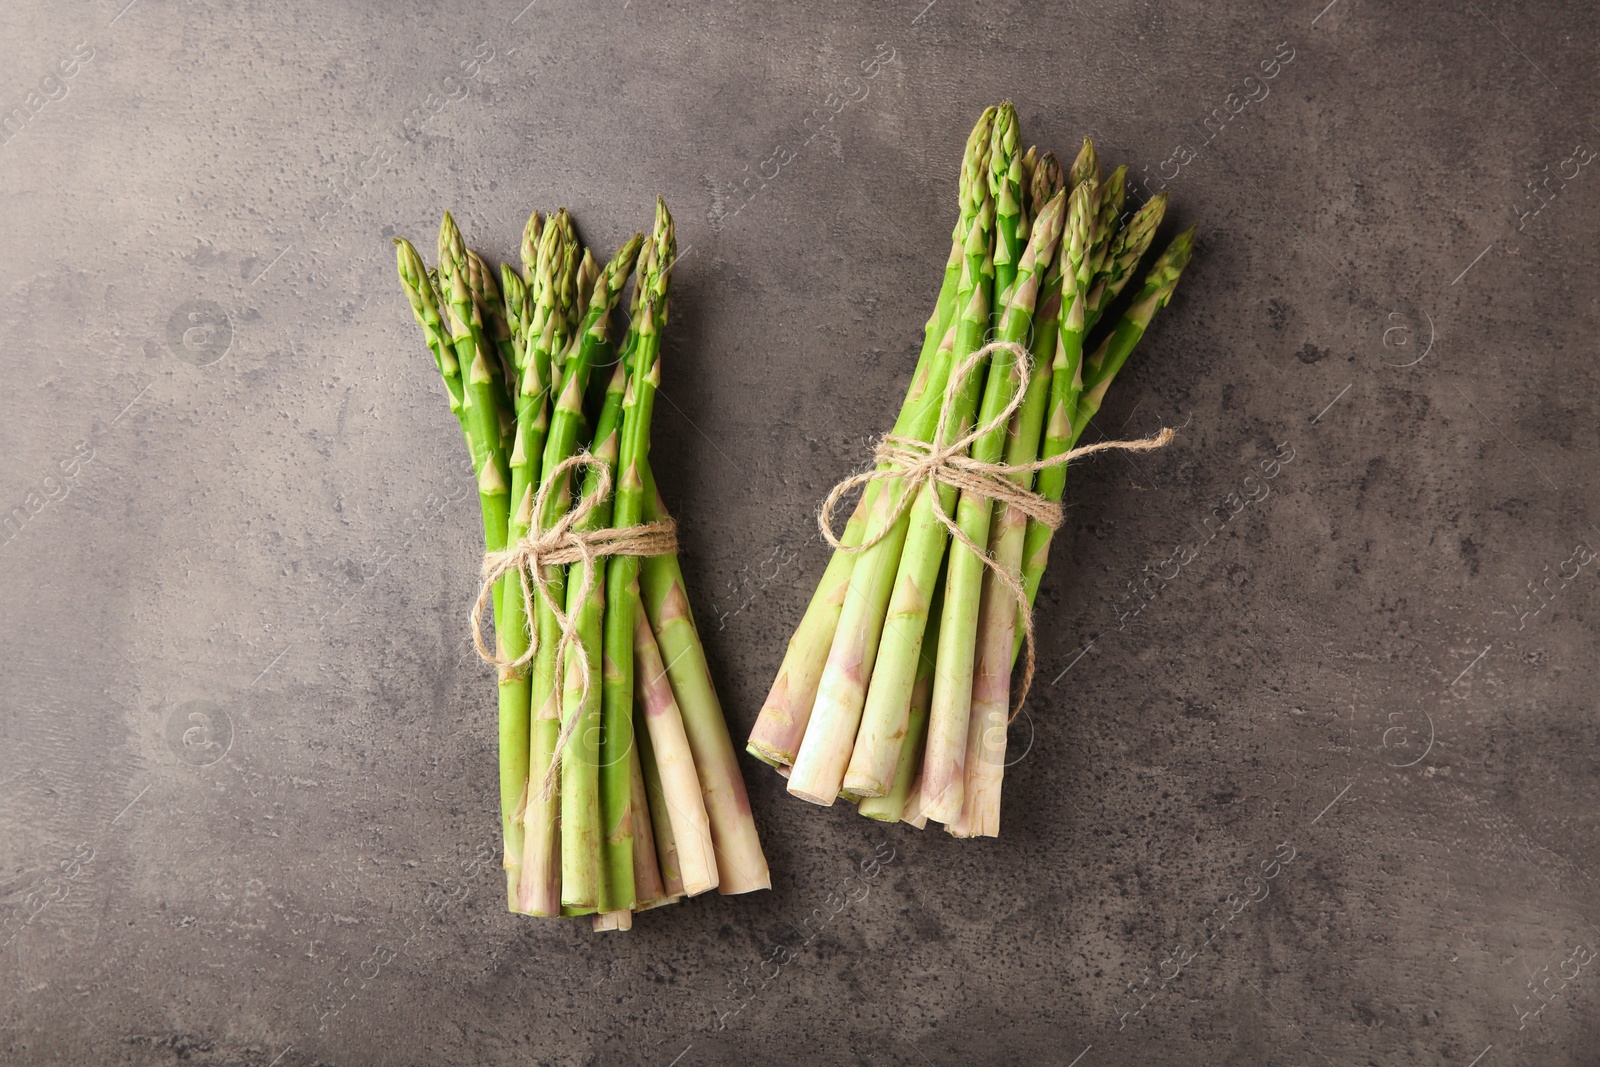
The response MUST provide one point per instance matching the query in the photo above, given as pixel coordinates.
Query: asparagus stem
(670, 898)
(916, 799)
(613, 920)
(991, 699)
(788, 708)
(648, 885)
(582, 879)
(1029, 420)
(825, 751)
(548, 698)
(479, 412)
(892, 805)
(660, 813)
(782, 723)
(952, 685)
(741, 865)
(694, 864)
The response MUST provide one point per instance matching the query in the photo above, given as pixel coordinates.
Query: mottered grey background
(1307, 776)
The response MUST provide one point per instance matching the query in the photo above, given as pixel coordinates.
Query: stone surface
(247, 771)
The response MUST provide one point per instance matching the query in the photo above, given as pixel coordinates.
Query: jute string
(562, 543)
(909, 463)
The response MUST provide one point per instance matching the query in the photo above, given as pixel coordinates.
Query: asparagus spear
(1044, 181)
(581, 884)
(825, 751)
(617, 888)
(1109, 198)
(1030, 207)
(538, 884)
(544, 334)
(1066, 423)
(952, 684)
(532, 235)
(1006, 185)
(1085, 167)
(514, 688)
(1113, 352)
(557, 440)
(425, 306)
(491, 302)
(583, 693)
(1123, 255)
(482, 403)
(1047, 314)
(476, 406)
(515, 294)
(784, 715)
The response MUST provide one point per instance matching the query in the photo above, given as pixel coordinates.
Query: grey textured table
(247, 803)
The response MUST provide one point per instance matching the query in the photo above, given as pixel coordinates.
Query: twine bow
(565, 541)
(910, 462)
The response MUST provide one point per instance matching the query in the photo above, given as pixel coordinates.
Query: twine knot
(909, 462)
(564, 541)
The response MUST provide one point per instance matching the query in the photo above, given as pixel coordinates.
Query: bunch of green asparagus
(619, 786)
(896, 689)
